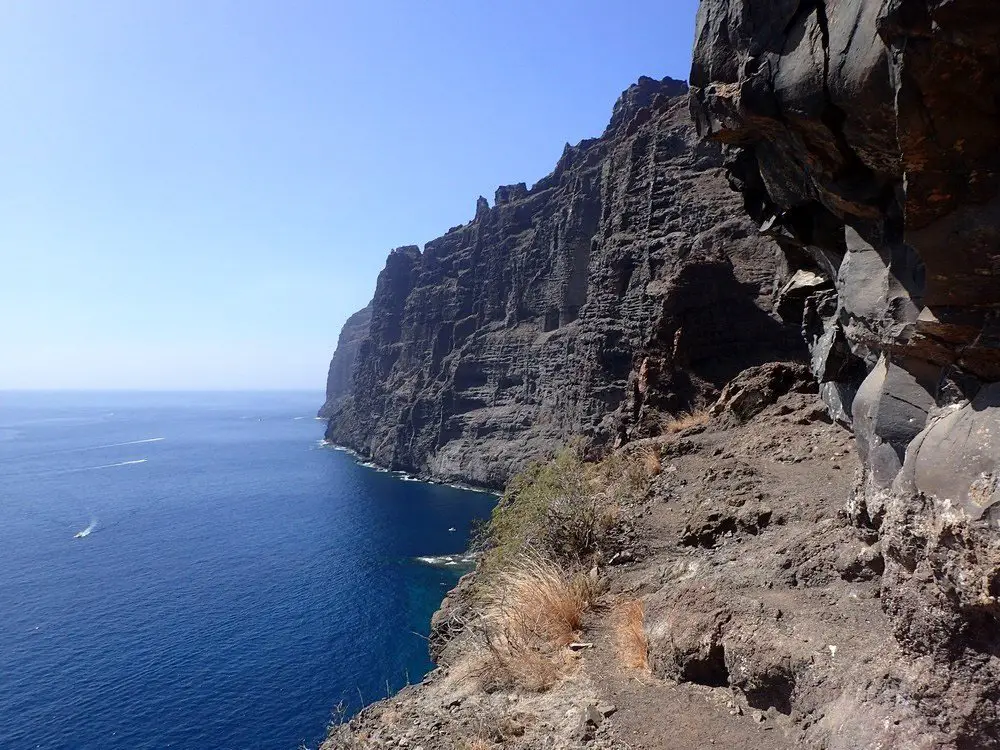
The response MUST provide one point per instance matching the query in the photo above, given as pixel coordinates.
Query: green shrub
(565, 509)
(554, 508)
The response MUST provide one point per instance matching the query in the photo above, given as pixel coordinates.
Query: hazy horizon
(196, 196)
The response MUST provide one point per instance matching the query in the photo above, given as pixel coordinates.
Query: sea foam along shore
(403, 475)
(467, 559)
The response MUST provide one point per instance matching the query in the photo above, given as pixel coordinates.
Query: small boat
(452, 529)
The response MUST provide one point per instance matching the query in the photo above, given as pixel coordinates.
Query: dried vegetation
(673, 423)
(630, 634)
(540, 556)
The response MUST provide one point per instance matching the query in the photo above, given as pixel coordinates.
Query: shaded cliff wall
(338, 379)
(865, 138)
(624, 284)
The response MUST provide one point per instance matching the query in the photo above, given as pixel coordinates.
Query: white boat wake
(95, 447)
(81, 468)
(118, 445)
(112, 466)
(87, 531)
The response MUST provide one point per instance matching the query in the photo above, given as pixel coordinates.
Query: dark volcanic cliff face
(625, 284)
(338, 379)
(866, 139)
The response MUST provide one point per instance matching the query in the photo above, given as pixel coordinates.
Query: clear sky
(197, 193)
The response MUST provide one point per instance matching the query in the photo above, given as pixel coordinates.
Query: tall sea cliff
(625, 285)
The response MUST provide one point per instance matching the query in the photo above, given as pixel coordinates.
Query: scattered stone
(606, 709)
(594, 716)
(621, 558)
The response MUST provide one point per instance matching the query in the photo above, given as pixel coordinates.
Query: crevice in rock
(774, 689)
(897, 397)
(708, 668)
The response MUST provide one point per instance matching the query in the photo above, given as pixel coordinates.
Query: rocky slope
(865, 140)
(767, 619)
(624, 285)
(761, 602)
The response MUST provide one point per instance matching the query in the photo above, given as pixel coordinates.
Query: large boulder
(756, 388)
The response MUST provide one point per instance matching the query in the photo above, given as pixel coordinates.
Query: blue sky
(194, 194)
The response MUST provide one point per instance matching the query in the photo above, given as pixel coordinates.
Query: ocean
(197, 571)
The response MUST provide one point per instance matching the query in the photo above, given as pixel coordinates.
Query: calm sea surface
(195, 571)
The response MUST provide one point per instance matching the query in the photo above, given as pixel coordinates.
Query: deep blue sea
(237, 581)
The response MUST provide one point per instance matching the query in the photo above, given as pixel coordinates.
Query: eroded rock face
(338, 380)
(864, 136)
(625, 284)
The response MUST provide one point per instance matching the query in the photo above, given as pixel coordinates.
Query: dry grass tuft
(684, 420)
(650, 458)
(513, 663)
(609, 516)
(625, 476)
(542, 598)
(630, 634)
(533, 612)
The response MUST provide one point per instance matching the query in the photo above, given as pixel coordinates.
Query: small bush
(555, 520)
(630, 634)
(566, 509)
